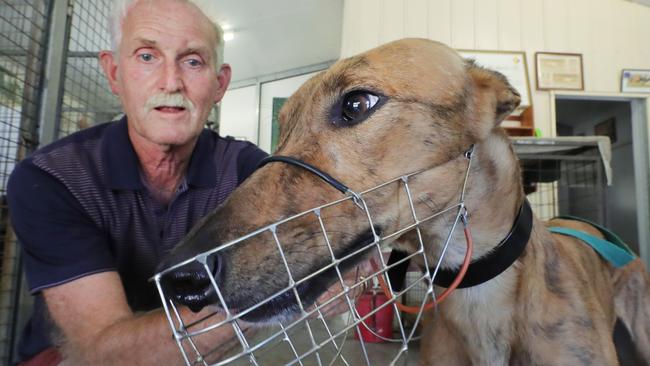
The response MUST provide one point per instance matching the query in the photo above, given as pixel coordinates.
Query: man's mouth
(170, 109)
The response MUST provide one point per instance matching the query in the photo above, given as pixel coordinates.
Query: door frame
(640, 119)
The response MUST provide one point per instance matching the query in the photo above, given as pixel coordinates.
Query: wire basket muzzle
(292, 324)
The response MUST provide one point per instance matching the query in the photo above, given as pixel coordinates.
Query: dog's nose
(190, 284)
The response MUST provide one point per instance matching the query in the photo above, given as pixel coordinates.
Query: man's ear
(494, 98)
(109, 65)
(223, 77)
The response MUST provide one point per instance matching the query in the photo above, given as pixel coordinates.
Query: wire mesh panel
(23, 38)
(567, 179)
(577, 190)
(87, 98)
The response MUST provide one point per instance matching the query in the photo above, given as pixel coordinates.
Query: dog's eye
(357, 105)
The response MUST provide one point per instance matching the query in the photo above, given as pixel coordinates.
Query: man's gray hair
(122, 7)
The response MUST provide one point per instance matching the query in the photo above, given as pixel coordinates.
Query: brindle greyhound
(416, 105)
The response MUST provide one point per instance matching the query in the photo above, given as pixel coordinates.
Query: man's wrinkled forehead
(148, 20)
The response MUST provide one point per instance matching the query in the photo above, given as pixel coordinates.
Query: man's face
(165, 72)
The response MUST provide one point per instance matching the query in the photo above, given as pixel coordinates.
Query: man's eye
(146, 57)
(194, 62)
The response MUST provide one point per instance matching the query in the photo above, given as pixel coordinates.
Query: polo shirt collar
(123, 166)
(202, 170)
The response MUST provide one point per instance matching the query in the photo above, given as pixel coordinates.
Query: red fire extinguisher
(381, 322)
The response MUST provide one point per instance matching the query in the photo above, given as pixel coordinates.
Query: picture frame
(635, 81)
(562, 71)
(272, 95)
(275, 121)
(512, 64)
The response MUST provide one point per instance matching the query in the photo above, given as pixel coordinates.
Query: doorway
(624, 120)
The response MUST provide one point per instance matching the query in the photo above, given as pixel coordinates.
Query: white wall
(610, 34)
(238, 115)
(241, 117)
(275, 89)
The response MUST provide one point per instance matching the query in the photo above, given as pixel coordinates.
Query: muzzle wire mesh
(310, 337)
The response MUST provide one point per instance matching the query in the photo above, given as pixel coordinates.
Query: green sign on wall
(275, 123)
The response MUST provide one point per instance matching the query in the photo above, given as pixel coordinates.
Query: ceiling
(280, 35)
(270, 38)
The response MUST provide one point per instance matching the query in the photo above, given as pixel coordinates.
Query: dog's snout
(191, 285)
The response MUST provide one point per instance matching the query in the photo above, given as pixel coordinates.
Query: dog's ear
(494, 98)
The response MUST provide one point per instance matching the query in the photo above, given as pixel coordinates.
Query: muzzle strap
(299, 163)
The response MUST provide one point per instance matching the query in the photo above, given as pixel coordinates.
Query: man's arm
(99, 328)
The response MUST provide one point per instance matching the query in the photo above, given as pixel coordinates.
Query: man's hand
(99, 328)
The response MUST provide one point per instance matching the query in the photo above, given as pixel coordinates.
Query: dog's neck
(493, 198)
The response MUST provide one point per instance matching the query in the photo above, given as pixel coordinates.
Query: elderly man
(97, 210)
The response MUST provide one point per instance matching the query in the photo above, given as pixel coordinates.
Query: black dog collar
(499, 259)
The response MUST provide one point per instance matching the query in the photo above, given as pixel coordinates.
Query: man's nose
(171, 80)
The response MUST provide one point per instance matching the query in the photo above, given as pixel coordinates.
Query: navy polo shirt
(79, 206)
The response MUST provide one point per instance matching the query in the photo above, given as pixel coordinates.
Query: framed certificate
(635, 81)
(559, 71)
